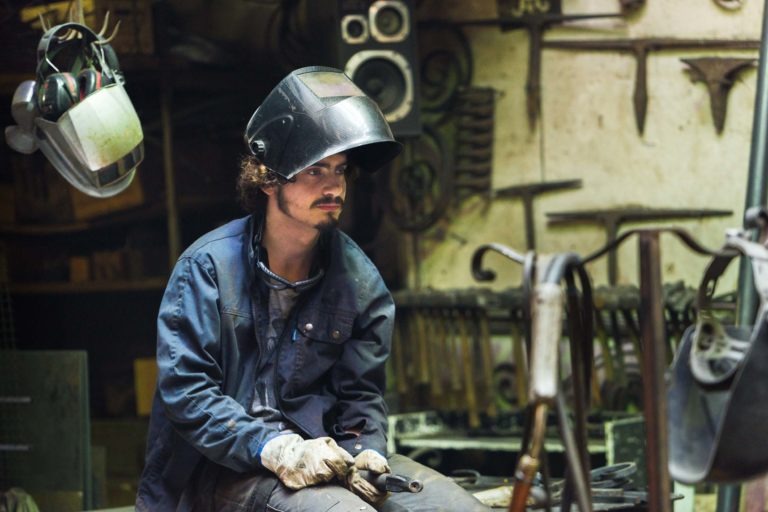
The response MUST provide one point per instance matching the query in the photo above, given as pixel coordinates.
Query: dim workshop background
(533, 129)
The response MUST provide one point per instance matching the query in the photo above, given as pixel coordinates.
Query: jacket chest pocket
(319, 340)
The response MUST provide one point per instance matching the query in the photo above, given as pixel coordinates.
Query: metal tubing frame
(654, 366)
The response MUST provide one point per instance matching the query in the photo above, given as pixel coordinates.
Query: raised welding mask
(78, 113)
(315, 112)
(718, 395)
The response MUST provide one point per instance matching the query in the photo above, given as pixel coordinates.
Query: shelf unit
(50, 288)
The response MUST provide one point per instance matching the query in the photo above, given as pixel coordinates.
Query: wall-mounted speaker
(376, 46)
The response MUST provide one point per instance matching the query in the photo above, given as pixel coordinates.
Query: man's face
(317, 195)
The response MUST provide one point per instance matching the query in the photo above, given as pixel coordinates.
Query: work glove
(300, 463)
(368, 463)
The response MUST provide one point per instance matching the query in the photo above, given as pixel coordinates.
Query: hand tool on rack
(486, 361)
(612, 218)
(536, 21)
(452, 350)
(421, 341)
(527, 193)
(398, 359)
(468, 370)
(434, 345)
(640, 48)
(535, 17)
(718, 74)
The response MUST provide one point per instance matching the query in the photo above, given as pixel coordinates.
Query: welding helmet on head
(78, 113)
(718, 395)
(316, 112)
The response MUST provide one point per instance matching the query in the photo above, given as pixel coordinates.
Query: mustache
(328, 200)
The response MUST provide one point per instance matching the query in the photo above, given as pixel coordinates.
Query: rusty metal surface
(718, 74)
(654, 364)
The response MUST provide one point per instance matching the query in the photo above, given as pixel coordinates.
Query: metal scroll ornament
(445, 67)
(418, 186)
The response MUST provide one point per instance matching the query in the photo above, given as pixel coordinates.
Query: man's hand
(367, 461)
(300, 463)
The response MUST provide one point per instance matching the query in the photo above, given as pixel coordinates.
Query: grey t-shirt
(264, 405)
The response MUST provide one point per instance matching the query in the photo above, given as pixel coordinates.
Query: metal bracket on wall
(718, 74)
(527, 192)
(640, 48)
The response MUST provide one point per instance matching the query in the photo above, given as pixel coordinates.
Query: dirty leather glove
(367, 461)
(300, 463)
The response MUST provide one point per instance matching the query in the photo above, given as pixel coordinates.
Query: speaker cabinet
(376, 47)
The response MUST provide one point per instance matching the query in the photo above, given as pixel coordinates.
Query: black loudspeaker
(376, 47)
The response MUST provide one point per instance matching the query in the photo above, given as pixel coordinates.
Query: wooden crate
(145, 379)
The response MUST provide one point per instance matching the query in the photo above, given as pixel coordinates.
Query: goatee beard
(329, 225)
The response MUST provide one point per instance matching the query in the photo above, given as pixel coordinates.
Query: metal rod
(728, 496)
(757, 179)
(174, 237)
(654, 366)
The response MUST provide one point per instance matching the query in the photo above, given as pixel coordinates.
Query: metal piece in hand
(393, 483)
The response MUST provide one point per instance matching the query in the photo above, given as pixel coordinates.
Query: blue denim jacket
(330, 371)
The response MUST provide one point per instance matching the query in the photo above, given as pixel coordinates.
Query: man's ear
(269, 189)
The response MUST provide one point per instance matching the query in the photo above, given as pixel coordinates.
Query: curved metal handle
(481, 274)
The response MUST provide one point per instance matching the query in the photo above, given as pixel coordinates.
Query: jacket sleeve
(190, 375)
(359, 377)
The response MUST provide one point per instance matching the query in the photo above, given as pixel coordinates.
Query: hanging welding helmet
(316, 112)
(78, 113)
(718, 395)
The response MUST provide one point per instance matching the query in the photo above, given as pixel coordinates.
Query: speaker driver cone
(384, 76)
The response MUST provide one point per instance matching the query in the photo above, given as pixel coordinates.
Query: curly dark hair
(253, 175)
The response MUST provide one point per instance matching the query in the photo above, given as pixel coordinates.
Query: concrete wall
(587, 130)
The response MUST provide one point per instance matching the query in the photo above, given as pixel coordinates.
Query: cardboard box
(79, 269)
(145, 380)
(107, 266)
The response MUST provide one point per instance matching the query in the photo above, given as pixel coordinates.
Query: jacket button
(231, 425)
(335, 334)
(308, 327)
(358, 446)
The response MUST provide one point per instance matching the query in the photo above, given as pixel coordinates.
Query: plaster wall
(587, 130)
